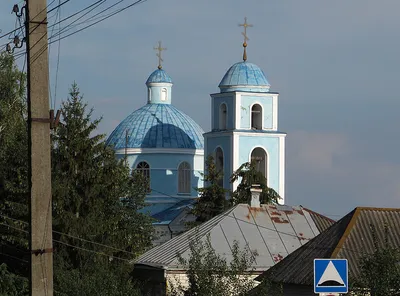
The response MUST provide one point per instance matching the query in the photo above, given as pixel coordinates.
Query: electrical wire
(68, 235)
(19, 54)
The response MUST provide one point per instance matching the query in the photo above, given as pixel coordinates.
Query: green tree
(210, 274)
(14, 194)
(212, 200)
(11, 284)
(248, 175)
(380, 270)
(96, 203)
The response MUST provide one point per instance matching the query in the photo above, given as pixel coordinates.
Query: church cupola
(159, 84)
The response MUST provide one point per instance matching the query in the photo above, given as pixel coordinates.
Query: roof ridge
(318, 214)
(349, 228)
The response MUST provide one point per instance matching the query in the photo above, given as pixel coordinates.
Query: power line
(65, 234)
(18, 55)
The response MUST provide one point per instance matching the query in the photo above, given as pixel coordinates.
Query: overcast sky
(335, 64)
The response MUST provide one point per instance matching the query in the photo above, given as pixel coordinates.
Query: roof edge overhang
(256, 93)
(159, 84)
(128, 151)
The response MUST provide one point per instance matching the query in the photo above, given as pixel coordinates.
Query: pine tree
(212, 200)
(248, 175)
(95, 198)
(14, 194)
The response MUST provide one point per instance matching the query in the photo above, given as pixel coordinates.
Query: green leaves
(248, 175)
(210, 274)
(97, 199)
(212, 199)
(380, 270)
(11, 284)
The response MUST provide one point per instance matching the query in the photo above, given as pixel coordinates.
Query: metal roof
(157, 126)
(348, 238)
(159, 76)
(244, 76)
(274, 231)
(167, 216)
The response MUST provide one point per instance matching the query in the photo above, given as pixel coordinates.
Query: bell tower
(244, 125)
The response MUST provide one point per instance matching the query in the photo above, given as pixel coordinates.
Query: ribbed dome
(157, 126)
(244, 76)
(159, 76)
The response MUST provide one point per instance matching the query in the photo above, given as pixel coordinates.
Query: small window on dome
(163, 94)
(149, 94)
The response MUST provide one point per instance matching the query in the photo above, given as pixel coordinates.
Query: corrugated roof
(322, 222)
(348, 238)
(274, 231)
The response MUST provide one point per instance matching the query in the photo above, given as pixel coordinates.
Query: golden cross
(245, 25)
(159, 49)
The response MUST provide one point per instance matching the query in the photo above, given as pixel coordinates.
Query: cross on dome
(159, 49)
(245, 25)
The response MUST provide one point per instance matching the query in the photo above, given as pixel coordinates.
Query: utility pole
(41, 279)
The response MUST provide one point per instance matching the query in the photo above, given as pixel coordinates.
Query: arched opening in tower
(256, 117)
(222, 116)
(219, 163)
(260, 158)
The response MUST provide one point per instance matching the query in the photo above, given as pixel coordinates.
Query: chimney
(255, 196)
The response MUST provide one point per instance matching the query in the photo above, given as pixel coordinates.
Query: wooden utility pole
(41, 246)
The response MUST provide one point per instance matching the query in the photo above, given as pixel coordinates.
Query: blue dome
(157, 126)
(159, 76)
(244, 76)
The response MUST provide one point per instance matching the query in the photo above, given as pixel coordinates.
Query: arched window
(222, 116)
(256, 117)
(219, 163)
(259, 156)
(184, 178)
(149, 94)
(144, 168)
(163, 94)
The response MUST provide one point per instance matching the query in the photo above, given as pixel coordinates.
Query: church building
(170, 148)
(244, 122)
(163, 143)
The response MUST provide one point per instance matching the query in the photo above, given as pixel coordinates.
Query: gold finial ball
(245, 44)
(160, 67)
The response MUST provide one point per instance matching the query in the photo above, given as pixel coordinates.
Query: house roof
(167, 216)
(274, 231)
(349, 238)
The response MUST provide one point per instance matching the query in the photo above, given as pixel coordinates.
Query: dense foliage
(96, 231)
(210, 274)
(97, 227)
(14, 193)
(212, 197)
(380, 270)
(248, 175)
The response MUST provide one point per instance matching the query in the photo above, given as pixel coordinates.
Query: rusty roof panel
(274, 231)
